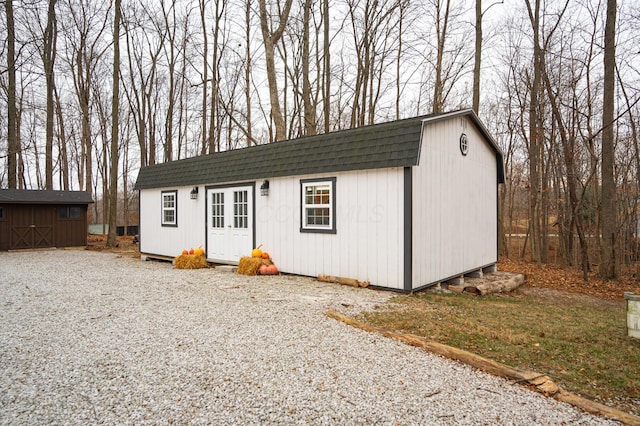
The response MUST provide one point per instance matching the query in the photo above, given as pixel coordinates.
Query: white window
(318, 205)
(217, 209)
(240, 209)
(170, 208)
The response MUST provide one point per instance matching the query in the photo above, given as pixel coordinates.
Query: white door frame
(226, 256)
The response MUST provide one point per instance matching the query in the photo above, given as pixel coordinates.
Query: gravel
(98, 338)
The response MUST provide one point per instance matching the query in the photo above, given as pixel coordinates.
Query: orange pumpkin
(265, 255)
(190, 251)
(185, 252)
(272, 269)
(199, 251)
(264, 270)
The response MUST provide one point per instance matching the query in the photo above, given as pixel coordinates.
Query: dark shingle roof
(393, 144)
(27, 196)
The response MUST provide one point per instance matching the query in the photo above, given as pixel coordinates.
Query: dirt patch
(570, 280)
(125, 245)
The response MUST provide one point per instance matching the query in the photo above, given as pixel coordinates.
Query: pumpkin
(185, 252)
(199, 251)
(265, 255)
(256, 252)
(272, 269)
(190, 251)
(264, 270)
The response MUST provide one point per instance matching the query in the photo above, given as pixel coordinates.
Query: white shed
(402, 205)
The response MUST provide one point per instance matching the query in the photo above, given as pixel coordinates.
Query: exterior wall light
(194, 193)
(264, 188)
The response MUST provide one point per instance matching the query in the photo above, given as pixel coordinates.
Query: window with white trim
(318, 205)
(170, 208)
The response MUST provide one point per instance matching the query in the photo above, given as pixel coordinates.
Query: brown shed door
(31, 227)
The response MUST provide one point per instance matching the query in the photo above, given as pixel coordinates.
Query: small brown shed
(38, 219)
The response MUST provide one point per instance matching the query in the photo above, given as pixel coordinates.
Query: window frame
(68, 215)
(319, 229)
(163, 222)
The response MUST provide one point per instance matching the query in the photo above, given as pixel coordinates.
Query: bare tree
(309, 105)
(247, 70)
(13, 145)
(326, 44)
(170, 23)
(205, 70)
(83, 31)
(115, 122)
(48, 58)
(537, 225)
(442, 26)
(610, 256)
(270, 38)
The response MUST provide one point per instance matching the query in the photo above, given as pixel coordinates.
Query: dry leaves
(570, 280)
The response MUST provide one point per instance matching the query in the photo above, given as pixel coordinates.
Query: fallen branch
(344, 281)
(539, 382)
(497, 286)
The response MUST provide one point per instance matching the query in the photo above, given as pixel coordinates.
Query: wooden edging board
(539, 382)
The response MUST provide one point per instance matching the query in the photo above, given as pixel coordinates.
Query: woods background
(93, 90)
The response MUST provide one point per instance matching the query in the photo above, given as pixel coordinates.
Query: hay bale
(190, 261)
(249, 265)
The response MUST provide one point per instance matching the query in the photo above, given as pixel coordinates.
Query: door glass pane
(240, 209)
(217, 210)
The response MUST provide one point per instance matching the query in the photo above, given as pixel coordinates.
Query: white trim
(321, 205)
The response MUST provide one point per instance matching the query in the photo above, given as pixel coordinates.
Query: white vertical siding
(368, 243)
(454, 203)
(166, 240)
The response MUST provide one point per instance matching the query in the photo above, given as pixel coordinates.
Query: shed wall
(367, 245)
(27, 226)
(170, 240)
(4, 230)
(454, 203)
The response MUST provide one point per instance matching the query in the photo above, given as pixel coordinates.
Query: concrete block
(227, 268)
(490, 269)
(475, 274)
(456, 281)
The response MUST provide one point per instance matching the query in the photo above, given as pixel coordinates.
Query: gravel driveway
(97, 338)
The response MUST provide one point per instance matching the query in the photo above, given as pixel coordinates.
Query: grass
(579, 342)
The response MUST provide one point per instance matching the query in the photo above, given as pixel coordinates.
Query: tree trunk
(205, 67)
(48, 58)
(327, 69)
(12, 136)
(309, 107)
(610, 256)
(115, 103)
(62, 143)
(535, 142)
(441, 30)
(477, 58)
(247, 70)
(168, 124)
(270, 39)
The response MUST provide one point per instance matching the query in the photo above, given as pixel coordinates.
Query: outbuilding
(402, 205)
(41, 219)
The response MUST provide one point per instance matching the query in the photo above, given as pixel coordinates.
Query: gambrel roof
(28, 196)
(385, 145)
